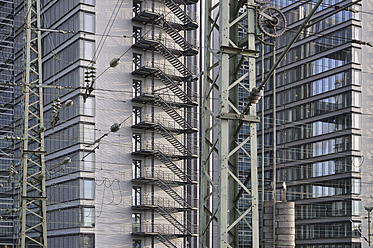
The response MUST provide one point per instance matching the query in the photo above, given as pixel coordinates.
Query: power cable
(106, 31)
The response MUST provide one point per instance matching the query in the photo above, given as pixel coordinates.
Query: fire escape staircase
(170, 218)
(180, 13)
(170, 110)
(166, 187)
(167, 54)
(172, 83)
(166, 80)
(172, 166)
(173, 140)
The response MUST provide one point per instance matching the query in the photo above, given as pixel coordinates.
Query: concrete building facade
(120, 111)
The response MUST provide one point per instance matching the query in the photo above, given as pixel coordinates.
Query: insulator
(66, 160)
(254, 95)
(115, 127)
(42, 129)
(69, 103)
(114, 62)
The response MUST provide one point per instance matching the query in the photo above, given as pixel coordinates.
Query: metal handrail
(164, 229)
(148, 7)
(165, 149)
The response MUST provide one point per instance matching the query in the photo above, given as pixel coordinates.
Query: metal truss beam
(222, 181)
(32, 227)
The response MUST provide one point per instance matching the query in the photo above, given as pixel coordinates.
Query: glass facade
(65, 55)
(79, 211)
(317, 124)
(8, 178)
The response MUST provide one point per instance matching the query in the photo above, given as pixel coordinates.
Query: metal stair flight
(174, 195)
(166, 241)
(166, 80)
(172, 166)
(176, 36)
(168, 216)
(173, 140)
(170, 110)
(173, 60)
(175, 8)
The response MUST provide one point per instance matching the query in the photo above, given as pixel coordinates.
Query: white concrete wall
(113, 104)
(366, 117)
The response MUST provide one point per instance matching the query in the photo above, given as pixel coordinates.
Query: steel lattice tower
(221, 183)
(32, 228)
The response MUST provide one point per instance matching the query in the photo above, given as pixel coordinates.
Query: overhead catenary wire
(107, 29)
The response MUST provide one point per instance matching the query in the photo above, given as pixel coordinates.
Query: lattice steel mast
(32, 227)
(221, 188)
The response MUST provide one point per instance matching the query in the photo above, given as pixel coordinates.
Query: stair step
(166, 242)
(172, 166)
(173, 60)
(175, 8)
(172, 112)
(172, 220)
(172, 193)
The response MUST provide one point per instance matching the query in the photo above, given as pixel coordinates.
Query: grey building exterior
(7, 189)
(137, 187)
(131, 133)
(322, 113)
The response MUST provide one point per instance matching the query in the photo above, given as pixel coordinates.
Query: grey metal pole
(262, 124)
(251, 16)
(274, 169)
(369, 209)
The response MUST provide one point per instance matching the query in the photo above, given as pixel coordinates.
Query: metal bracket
(35, 152)
(240, 51)
(233, 116)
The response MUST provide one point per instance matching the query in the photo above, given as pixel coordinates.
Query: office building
(321, 105)
(121, 161)
(7, 192)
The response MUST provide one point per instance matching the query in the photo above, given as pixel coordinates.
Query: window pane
(87, 241)
(89, 162)
(89, 107)
(136, 222)
(89, 49)
(356, 186)
(89, 22)
(88, 217)
(88, 189)
(91, 2)
(136, 244)
(356, 207)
